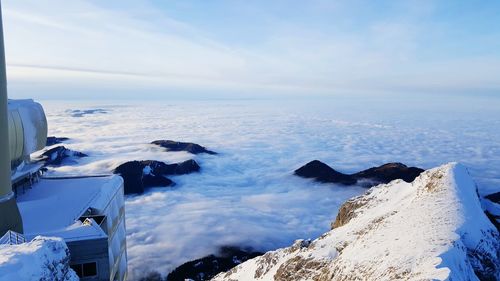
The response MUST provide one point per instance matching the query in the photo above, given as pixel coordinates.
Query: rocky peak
(431, 229)
(386, 173)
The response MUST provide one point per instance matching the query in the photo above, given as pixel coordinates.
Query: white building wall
(115, 223)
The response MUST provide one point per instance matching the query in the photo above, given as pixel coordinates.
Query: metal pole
(10, 218)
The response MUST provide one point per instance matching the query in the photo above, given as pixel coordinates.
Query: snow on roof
(79, 231)
(24, 169)
(54, 205)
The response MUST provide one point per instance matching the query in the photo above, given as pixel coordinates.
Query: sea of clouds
(247, 195)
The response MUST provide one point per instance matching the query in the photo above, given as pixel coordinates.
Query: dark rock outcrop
(383, 174)
(494, 197)
(209, 266)
(160, 168)
(495, 220)
(139, 175)
(152, 180)
(493, 210)
(83, 112)
(55, 140)
(56, 155)
(389, 172)
(183, 146)
(324, 173)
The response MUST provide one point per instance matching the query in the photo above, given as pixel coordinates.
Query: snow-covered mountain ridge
(431, 229)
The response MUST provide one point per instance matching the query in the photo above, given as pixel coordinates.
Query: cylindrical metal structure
(27, 129)
(16, 136)
(10, 218)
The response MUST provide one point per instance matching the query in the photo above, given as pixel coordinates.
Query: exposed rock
(324, 173)
(368, 178)
(495, 219)
(348, 211)
(56, 155)
(139, 175)
(209, 266)
(132, 173)
(55, 140)
(159, 181)
(182, 146)
(492, 208)
(160, 168)
(83, 112)
(297, 267)
(389, 172)
(430, 229)
(269, 260)
(494, 197)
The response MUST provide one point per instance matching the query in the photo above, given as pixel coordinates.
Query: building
(88, 213)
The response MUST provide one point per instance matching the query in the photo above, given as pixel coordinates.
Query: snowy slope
(431, 229)
(41, 259)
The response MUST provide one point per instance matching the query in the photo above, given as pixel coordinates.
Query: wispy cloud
(278, 47)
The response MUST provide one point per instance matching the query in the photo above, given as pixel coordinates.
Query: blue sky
(202, 49)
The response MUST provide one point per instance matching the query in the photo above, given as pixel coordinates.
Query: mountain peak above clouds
(431, 229)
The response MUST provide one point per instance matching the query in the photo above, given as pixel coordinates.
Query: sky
(57, 49)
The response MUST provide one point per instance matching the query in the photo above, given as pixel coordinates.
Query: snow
(25, 169)
(431, 229)
(247, 195)
(52, 206)
(44, 258)
(147, 170)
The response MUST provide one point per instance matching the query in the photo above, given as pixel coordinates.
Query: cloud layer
(247, 195)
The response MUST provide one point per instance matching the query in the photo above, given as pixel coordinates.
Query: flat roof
(53, 206)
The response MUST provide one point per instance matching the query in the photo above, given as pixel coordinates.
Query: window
(85, 269)
(89, 269)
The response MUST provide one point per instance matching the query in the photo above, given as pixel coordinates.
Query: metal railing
(12, 238)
